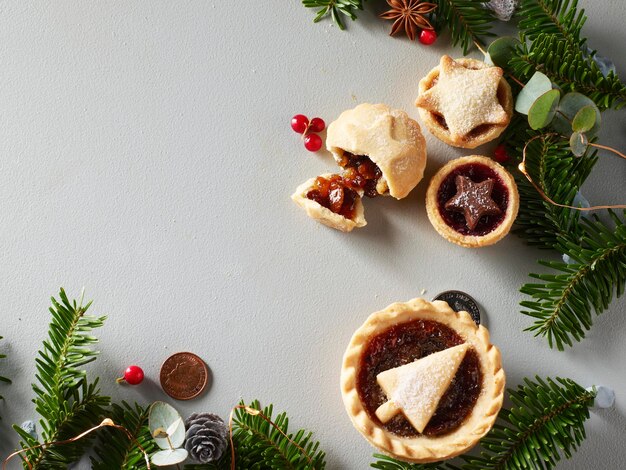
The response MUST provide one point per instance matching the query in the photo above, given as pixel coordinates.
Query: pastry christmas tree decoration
(415, 389)
(422, 382)
(472, 201)
(382, 151)
(465, 102)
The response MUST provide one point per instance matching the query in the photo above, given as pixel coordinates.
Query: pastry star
(415, 389)
(473, 200)
(466, 98)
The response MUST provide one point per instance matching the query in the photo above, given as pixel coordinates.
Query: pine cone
(206, 437)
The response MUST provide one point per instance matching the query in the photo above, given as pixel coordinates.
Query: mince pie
(382, 152)
(331, 201)
(465, 102)
(472, 201)
(386, 137)
(422, 382)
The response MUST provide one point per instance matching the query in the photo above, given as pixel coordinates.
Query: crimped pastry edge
(471, 241)
(423, 449)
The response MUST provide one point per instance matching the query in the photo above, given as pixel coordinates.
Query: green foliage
(114, 449)
(335, 8)
(558, 17)
(67, 403)
(559, 174)
(545, 423)
(258, 445)
(469, 21)
(3, 379)
(562, 303)
(565, 64)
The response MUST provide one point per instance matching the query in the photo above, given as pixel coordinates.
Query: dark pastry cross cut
(473, 200)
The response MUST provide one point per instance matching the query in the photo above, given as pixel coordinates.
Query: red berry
(300, 123)
(500, 154)
(313, 142)
(427, 36)
(132, 375)
(317, 125)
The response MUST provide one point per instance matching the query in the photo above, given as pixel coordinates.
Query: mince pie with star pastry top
(422, 382)
(382, 152)
(465, 102)
(472, 201)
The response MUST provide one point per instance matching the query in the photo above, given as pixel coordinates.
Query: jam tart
(421, 382)
(382, 152)
(472, 201)
(465, 102)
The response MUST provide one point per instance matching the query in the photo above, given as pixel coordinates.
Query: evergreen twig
(558, 17)
(67, 403)
(336, 9)
(469, 21)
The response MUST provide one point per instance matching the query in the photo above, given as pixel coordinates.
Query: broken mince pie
(329, 200)
(422, 382)
(465, 102)
(382, 152)
(472, 201)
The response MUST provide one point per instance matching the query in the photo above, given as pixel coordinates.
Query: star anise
(408, 15)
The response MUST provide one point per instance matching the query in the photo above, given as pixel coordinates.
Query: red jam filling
(477, 172)
(332, 193)
(405, 343)
(361, 173)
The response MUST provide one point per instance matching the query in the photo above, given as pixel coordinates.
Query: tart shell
(472, 241)
(424, 449)
(325, 215)
(505, 98)
(389, 137)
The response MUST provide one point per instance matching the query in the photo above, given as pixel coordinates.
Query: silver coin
(460, 301)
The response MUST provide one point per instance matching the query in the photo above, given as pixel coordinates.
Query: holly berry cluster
(309, 129)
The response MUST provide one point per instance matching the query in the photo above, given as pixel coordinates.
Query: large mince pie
(329, 200)
(465, 102)
(472, 201)
(381, 149)
(422, 382)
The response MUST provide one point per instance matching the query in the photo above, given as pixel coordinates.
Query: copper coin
(458, 301)
(184, 376)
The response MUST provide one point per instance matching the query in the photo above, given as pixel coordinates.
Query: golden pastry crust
(473, 139)
(423, 449)
(472, 241)
(324, 215)
(389, 137)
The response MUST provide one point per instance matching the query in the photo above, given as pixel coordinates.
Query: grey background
(146, 154)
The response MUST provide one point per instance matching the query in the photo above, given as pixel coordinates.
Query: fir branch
(566, 65)
(114, 449)
(336, 9)
(469, 21)
(562, 303)
(558, 17)
(560, 175)
(2, 378)
(260, 445)
(67, 403)
(546, 421)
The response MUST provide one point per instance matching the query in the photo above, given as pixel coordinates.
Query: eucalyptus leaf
(502, 49)
(584, 120)
(538, 85)
(569, 106)
(578, 143)
(163, 458)
(543, 109)
(165, 417)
